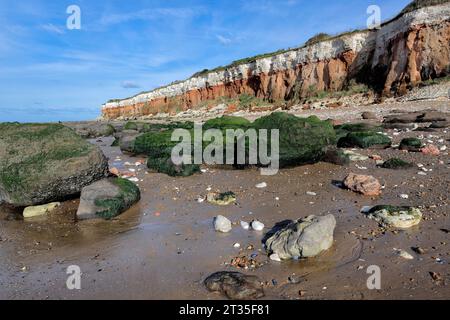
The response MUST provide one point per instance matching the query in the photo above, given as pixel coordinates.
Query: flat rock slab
(235, 285)
(396, 217)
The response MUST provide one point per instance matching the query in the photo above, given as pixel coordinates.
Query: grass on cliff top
(418, 4)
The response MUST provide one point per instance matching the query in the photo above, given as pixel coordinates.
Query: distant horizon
(56, 74)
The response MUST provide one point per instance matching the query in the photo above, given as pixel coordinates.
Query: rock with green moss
(227, 122)
(131, 126)
(165, 165)
(43, 163)
(107, 198)
(302, 140)
(127, 140)
(344, 129)
(221, 199)
(396, 164)
(364, 140)
(411, 144)
(395, 217)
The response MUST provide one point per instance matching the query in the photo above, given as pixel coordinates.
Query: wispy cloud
(50, 27)
(223, 40)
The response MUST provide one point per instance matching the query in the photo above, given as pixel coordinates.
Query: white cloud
(223, 40)
(50, 27)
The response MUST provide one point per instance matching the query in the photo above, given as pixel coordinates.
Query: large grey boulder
(107, 198)
(43, 163)
(304, 238)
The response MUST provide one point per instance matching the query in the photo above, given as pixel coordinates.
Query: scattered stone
(309, 193)
(401, 118)
(366, 185)
(440, 124)
(435, 276)
(257, 225)
(354, 156)
(114, 171)
(261, 185)
(396, 217)
(221, 199)
(418, 250)
(304, 238)
(31, 212)
(431, 150)
(245, 225)
(237, 245)
(222, 224)
(433, 116)
(404, 254)
(396, 164)
(404, 196)
(107, 198)
(235, 285)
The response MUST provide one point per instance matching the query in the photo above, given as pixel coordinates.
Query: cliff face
(404, 52)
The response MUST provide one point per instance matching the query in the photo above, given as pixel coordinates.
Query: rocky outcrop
(42, 163)
(405, 51)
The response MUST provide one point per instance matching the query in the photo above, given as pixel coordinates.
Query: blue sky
(50, 73)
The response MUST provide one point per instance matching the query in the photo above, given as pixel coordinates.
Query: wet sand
(165, 246)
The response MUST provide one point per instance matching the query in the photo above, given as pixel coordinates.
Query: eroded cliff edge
(410, 49)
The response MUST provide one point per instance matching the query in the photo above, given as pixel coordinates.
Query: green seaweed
(396, 163)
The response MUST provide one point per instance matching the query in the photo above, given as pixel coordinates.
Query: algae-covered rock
(221, 199)
(396, 163)
(364, 140)
(227, 122)
(154, 144)
(302, 140)
(131, 126)
(127, 139)
(396, 217)
(43, 163)
(164, 164)
(411, 144)
(107, 198)
(344, 129)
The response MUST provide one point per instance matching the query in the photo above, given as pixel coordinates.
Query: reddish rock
(366, 185)
(431, 150)
(114, 171)
(376, 157)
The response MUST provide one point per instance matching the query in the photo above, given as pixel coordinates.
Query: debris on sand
(36, 211)
(403, 254)
(304, 238)
(366, 185)
(396, 217)
(431, 149)
(221, 199)
(222, 224)
(235, 285)
(244, 263)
